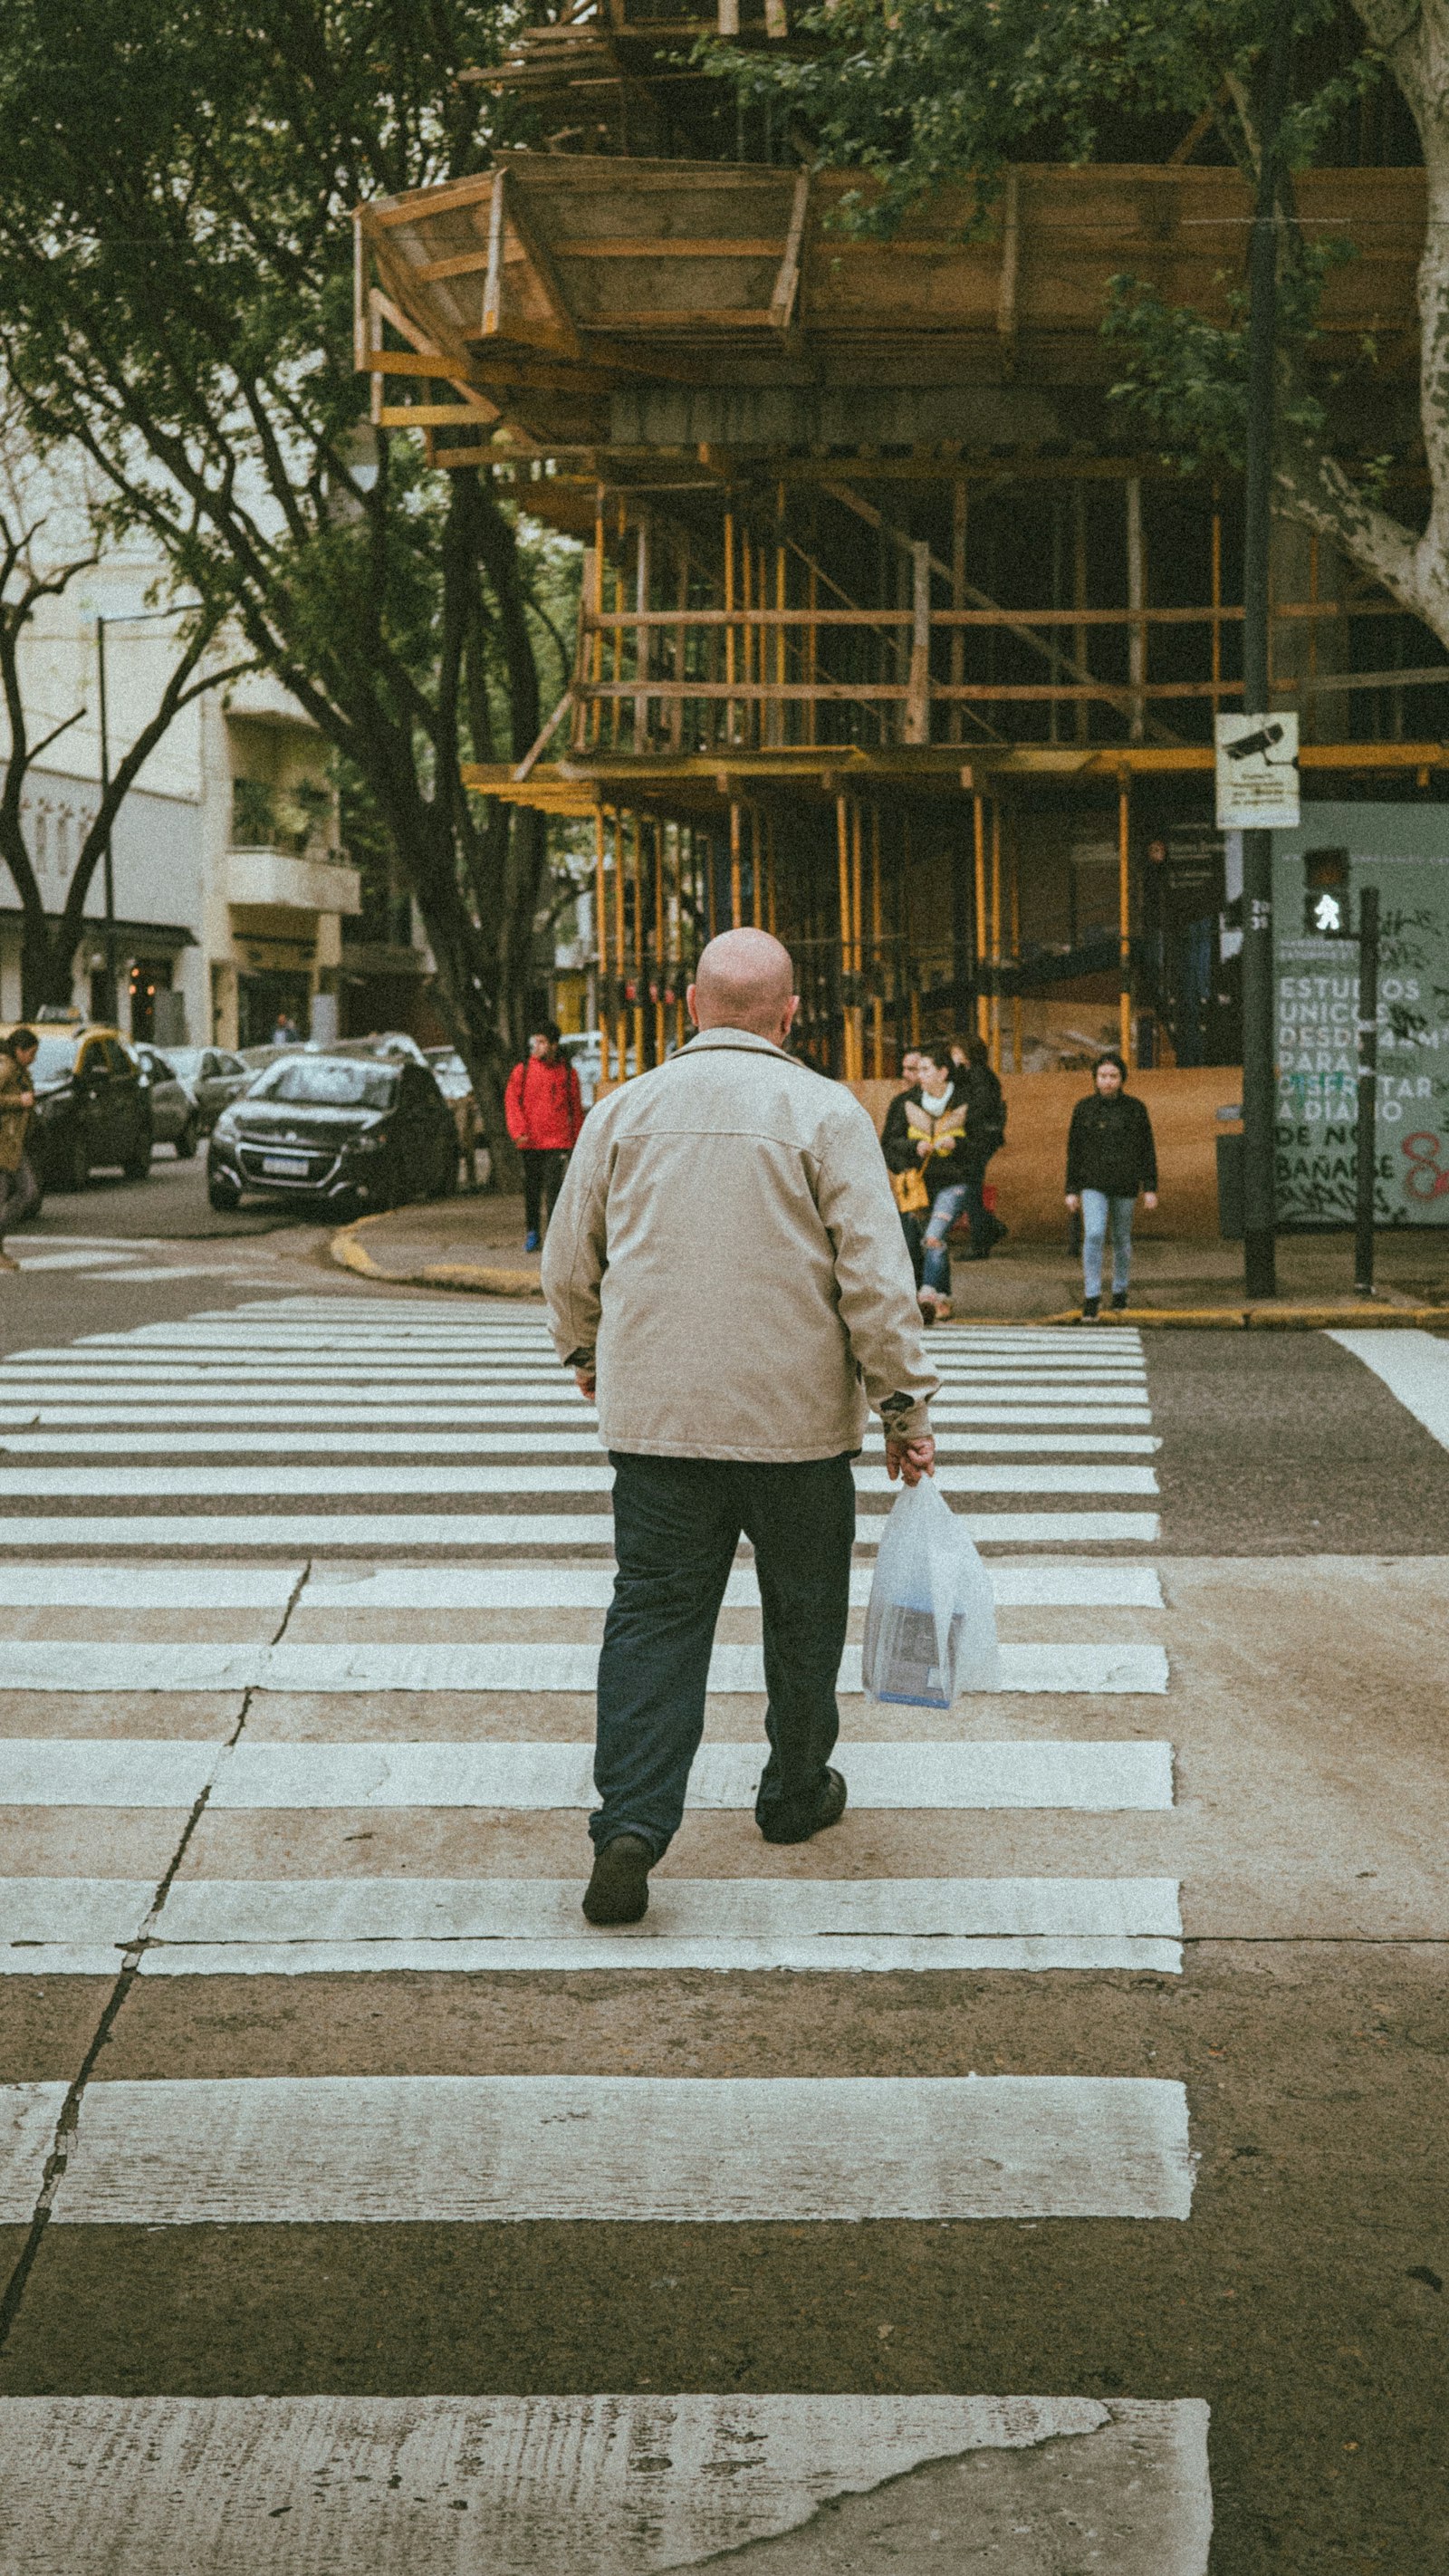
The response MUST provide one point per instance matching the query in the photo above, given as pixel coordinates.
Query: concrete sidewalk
(474, 1244)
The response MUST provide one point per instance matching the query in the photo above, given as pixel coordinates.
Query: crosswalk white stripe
(290, 2150)
(701, 1909)
(111, 1771)
(549, 2486)
(159, 1484)
(546, 1412)
(536, 1584)
(533, 1440)
(853, 1954)
(288, 1927)
(395, 1532)
(31, 1664)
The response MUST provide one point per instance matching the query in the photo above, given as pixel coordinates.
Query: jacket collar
(747, 1038)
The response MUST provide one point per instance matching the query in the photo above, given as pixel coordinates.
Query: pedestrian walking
(924, 1142)
(19, 1188)
(1111, 1155)
(725, 1274)
(985, 1136)
(285, 1032)
(544, 1114)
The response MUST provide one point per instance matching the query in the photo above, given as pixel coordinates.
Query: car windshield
(186, 1062)
(54, 1059)
(328, 1082)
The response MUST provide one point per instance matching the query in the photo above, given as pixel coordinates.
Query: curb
(471, 1280)
(1222, 1319)
(349, 1254)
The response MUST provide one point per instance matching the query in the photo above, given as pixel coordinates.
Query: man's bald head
(743, 981)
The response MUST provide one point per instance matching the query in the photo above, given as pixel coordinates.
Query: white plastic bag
(930, 1628)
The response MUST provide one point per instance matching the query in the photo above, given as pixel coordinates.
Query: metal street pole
(1259, 1057)
(1366, 1140)
(110, 873)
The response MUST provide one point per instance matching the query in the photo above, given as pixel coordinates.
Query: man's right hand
(910, 1459)
(1074, 1203)
(587, 1383)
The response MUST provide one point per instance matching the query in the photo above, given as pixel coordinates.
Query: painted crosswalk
(337, 1566)
(623, 2484)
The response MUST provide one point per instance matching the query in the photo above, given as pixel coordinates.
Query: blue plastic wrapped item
(930, 1628)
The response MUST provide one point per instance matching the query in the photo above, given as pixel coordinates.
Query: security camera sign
(1257, 773)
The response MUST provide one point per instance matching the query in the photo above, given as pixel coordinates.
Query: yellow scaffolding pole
(601, 926)
(1124, 911)
(978, 828)
(995, 934)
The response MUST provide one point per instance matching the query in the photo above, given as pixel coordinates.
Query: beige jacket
(15, 1082)
(727, 1244)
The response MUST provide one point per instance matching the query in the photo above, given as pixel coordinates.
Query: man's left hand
(1149, 1198)
(910, 1459)
(587, 1383)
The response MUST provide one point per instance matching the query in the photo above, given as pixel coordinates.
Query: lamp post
(1259, 1059)
(138, 617)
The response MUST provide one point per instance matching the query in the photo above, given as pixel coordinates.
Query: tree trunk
(47, 960)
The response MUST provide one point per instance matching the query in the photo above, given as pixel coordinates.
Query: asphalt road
(170, 1205)
(1301, 1560)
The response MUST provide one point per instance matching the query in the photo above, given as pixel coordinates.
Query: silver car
(213, 1075)
(175, 1119)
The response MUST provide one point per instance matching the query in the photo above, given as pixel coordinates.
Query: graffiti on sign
(1317, 1048)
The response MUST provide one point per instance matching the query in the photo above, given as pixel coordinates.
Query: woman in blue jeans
(926, 1131)
(1111, 1155)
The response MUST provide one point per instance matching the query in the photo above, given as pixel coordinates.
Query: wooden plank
(668, 246)
(918, 693)
(361, 336)
(463, 263)
(787, 284)
(1006, 293)
(537, 748)
(711, 317)
(493, 282)
(421, 203)
(541, 264)
(432, 416)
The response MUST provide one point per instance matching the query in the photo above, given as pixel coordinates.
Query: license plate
(288, 1167)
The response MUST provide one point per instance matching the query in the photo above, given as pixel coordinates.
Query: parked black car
(91, 1107)
(346, 1127)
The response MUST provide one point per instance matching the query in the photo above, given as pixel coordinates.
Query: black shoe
(1091, 1308)
(829, 1812)
(618, 1892)
(1119, 1301)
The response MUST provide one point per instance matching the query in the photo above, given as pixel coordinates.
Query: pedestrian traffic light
(1325, 894)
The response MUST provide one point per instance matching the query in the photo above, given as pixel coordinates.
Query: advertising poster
(1403, 850)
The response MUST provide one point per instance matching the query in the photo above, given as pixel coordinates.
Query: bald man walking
(725, 1270)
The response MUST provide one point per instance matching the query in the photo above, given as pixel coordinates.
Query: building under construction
(892, 638)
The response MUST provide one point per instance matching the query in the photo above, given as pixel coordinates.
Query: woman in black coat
(930, 1158)
(1110, 1157)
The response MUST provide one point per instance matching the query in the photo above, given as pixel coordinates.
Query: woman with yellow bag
(932, 1173)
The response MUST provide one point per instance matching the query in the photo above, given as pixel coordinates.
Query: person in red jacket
(544, 1114)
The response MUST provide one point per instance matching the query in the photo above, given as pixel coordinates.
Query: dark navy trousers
(677, 1523)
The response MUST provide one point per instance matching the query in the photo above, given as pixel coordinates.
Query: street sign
(1257, 773)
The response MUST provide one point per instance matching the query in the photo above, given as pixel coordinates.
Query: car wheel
(186, 1141)
(140, 1162)
(223, 1197)
(447, 1169)
(75, 1163)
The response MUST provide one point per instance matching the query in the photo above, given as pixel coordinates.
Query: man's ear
(689, 1004)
